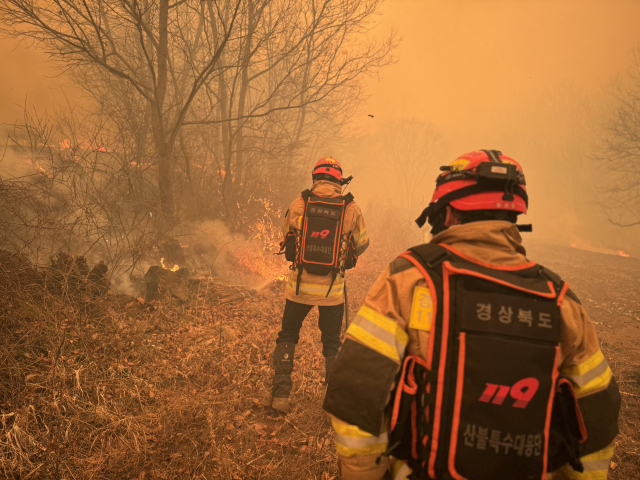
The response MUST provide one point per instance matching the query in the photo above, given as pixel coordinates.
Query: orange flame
(175, 268)
(591, 248)
(253, 260)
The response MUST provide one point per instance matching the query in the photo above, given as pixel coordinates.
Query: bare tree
(137, 43)
(294, 76)
(395, 165)
(59, 197)
(234, 84)
(407, 148)
(618, 157)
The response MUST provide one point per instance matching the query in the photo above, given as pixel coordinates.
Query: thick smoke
(491, 74)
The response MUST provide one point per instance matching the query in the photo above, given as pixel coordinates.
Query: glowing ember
(281, 277)
(622, 254)
(175, 268)
(184, 246)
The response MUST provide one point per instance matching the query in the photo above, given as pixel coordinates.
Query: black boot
(283, 366)
(329, 362)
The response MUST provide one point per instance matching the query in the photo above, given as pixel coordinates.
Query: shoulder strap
(399, 265)
(348, 198)
(430, 254)
(431, 257)
(305, 194)
(558, 282)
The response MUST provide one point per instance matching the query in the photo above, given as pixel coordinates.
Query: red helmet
(328, 166)
(480, 180)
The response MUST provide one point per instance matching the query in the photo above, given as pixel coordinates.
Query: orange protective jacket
(387, 324)
(313, 288)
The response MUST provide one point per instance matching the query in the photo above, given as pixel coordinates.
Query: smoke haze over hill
(530, 78)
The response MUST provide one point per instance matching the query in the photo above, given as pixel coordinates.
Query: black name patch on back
(324, 211)
(511, 315)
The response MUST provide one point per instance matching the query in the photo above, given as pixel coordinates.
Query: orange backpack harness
(488, 403)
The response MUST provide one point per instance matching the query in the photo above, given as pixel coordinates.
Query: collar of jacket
(490, 234)
(325, 188)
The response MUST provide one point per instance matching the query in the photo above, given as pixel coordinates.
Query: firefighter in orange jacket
(324, 235)
(467, 360)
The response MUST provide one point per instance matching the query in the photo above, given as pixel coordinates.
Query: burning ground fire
(262, 263)
(620, 253)
(175, 268)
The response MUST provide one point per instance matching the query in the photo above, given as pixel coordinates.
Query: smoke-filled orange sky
(465, 64)
(478, 70)
(459, 60)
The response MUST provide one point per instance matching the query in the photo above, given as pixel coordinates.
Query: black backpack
(317, 248)
(487, 404)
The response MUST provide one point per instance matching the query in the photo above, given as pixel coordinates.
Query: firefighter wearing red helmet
(324, 234)
(469, 361)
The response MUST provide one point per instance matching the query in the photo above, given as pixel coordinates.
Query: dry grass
(626, 368)
(132, 394)
(112, 390)
(609, 288)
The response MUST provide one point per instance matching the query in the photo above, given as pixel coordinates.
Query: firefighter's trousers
(329, 324)
(294, 314)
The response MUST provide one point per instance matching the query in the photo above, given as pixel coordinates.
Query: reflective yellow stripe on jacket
(379, 333)
(596, 466)
(315, 289)
(351, 441)
(360, 237)
(361, 241)
(589, 376)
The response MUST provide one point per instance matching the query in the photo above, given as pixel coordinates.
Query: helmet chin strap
(422, 219)
(438, 222)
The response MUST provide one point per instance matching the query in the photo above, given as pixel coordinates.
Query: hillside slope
(115, 390)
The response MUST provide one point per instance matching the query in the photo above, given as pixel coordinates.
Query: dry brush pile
(114, 387)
